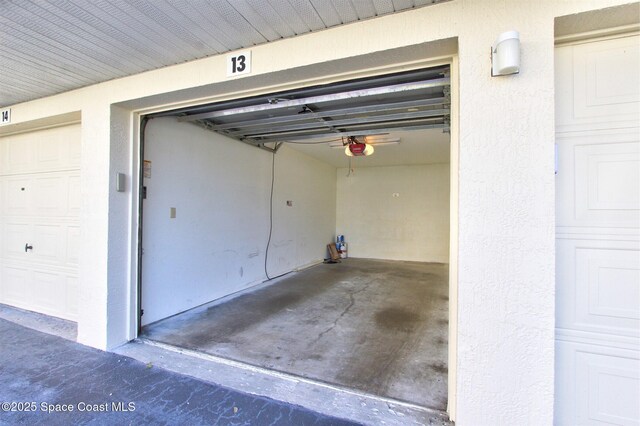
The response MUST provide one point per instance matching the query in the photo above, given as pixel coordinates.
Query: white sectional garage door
(597, 235)
(39, 227)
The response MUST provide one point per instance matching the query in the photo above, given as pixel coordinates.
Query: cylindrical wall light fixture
(505, 54)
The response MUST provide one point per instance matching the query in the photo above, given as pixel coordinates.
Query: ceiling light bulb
(368, 150)
(348, 151)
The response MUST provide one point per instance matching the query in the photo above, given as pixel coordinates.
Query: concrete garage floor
(372, 325)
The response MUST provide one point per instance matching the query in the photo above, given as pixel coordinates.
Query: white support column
(94, 219)
(506, 225)
(122, 230)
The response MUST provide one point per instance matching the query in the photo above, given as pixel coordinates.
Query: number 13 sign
(239, 63)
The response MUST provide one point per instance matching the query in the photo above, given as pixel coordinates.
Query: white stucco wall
(505, 249)
(396, 212)
(220, 190)
(505, 281)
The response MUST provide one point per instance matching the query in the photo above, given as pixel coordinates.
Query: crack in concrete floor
(390, 339)
(352, 302)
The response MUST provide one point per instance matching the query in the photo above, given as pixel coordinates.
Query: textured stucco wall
(506, 234)
(505, 247)
(94, 229)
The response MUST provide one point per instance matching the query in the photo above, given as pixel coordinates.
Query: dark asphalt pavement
(41, 373)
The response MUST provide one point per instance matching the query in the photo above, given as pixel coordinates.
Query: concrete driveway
(45, 379)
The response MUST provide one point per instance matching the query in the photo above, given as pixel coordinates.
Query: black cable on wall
(266, 252)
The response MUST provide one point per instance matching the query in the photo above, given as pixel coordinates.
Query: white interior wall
(301, 231)
(395, 212)
(220, 189)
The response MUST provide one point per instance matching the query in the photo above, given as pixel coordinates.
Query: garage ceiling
(430, 146)
(413, 100)
(413, 106)
(49, 47)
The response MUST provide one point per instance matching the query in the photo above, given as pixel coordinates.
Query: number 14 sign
(239, 63)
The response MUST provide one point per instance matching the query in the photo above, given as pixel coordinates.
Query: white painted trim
(623, 130)
(133, 264)
(73, 169)
(454, 167)
(134, 172)
(601, 339)
(43, 127)
(593, 233)
(597, 35)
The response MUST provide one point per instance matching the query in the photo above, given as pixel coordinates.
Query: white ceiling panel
(403, 4)
(101, 44)
(261, 16)
(328, 12)
(363, 8)
(383, 6)
(307, 12)
(52, 46)
(279, 21)
(346, 10)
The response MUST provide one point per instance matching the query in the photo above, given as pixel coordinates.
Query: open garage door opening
(235, 260)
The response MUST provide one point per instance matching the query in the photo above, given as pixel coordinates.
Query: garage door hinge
(141, 312)
(144, 192)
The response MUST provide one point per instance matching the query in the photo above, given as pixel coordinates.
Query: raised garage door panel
(597, 85)
(597, 235)
(599, 291)
(40, 205)
(41, 151)
(592, 167)
(605, 392)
